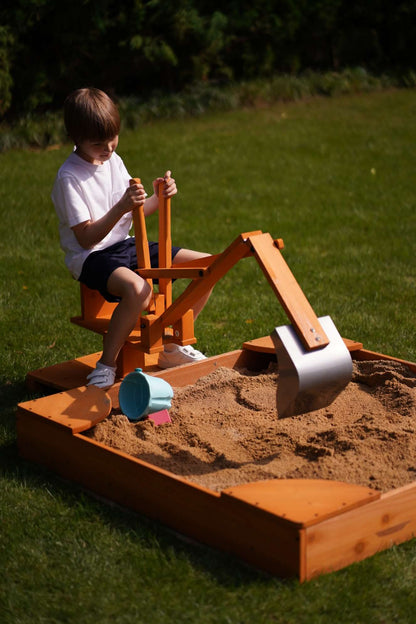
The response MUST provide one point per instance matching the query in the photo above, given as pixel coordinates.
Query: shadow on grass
(224, 568)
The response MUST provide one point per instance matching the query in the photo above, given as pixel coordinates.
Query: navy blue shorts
(99, 265)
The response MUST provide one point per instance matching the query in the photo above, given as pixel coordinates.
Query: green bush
(6, 81)
(46, 129)
(134, 48)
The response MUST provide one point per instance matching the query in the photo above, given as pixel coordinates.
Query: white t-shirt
(83, 191)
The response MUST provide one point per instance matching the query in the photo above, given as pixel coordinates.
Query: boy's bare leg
(186, 255)
(135, 294)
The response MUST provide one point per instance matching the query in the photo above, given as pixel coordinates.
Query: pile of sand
(225, 431)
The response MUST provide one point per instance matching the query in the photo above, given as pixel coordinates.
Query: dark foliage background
(135, 47)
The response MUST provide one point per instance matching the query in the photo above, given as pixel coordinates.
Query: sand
(225, 431)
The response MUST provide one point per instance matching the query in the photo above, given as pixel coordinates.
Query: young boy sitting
(94, 200)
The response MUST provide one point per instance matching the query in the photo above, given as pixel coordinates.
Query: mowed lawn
(335, 179)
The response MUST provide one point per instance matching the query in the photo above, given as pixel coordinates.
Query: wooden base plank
(185, 507)
(63, 376)
(265, 345)
(73, 373)
(355, 535)
(302, 502)
(77, 409)
(364, 354)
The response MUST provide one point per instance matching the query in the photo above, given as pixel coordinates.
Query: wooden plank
(165, 244)
(175, 272)
(190, 373)
(77, 409)
(93, 304)
(260, 538)
(265, 345)
(256, 354)
(288, 292)
(73, 373)
(191, 269)
(108, 472)
(140, 232)
(186, 507)
(364, 354)
(302, 502)
(302, 534)
(360, 533)
(63, 376)
(238, 249)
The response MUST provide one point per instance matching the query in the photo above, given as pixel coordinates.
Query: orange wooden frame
(167, 321)
(173, 321)
(299, 528)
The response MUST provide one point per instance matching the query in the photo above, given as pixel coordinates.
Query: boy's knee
(147, 294)
(141, 292)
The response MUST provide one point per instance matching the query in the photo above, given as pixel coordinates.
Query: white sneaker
(102, 376)
(175, 355)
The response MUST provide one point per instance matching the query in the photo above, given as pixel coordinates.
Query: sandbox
(295, 496)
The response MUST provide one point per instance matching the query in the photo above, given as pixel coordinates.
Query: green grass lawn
(335, 179)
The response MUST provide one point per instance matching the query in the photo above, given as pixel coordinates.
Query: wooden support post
(132, 356)
(165, 244)
(183, 330)
(142, 244)
(288, 291)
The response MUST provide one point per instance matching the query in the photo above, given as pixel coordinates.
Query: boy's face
(97, 152)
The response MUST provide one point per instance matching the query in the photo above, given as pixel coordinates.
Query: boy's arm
(90, 233)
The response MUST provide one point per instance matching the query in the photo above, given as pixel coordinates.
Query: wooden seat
(96, 312)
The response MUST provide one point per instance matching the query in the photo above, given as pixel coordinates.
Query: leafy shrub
(46, 129)
(135, 48)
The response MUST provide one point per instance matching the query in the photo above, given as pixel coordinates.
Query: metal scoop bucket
(314, 363)
(310, 380)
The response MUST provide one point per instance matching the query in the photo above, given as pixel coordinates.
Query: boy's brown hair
(90, 115)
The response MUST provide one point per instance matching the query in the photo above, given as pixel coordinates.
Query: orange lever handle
(142, 246)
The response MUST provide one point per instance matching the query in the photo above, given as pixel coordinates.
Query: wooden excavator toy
(314, 363)
(286, 526)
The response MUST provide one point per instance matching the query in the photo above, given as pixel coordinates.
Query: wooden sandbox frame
(287, 527)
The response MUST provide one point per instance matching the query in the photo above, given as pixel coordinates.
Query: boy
(94, 202)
